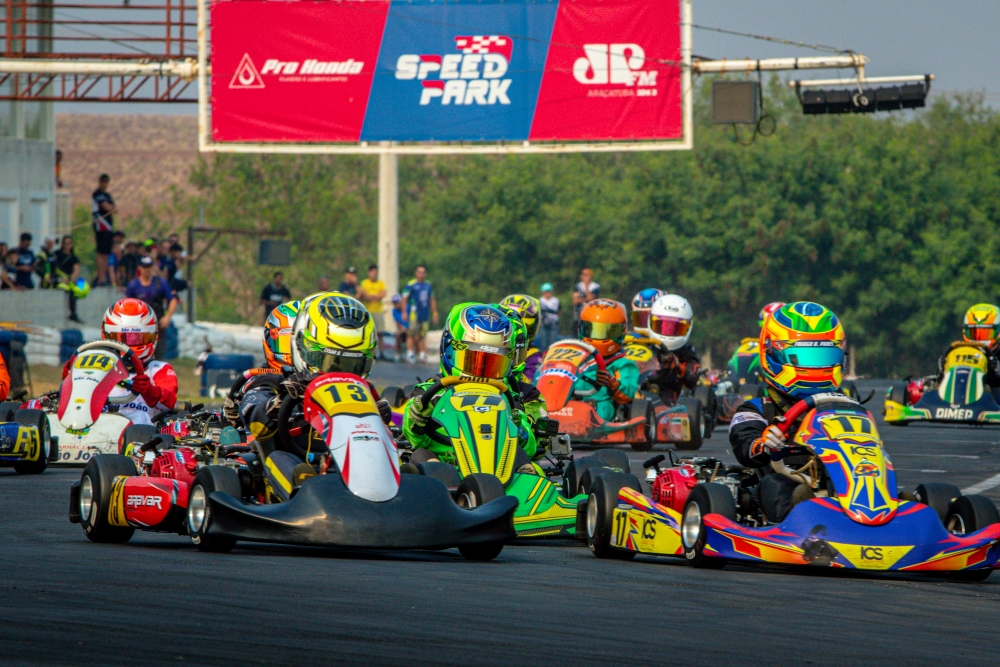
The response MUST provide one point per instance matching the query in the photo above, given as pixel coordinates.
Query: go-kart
(640, 424)
(25, 440)
(486, 461)
(350, 494)
(958, 396)
(849, 514)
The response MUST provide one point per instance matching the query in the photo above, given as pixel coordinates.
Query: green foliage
(891, 221)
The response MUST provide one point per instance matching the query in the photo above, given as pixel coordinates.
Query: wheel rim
(591, 516)
(197, 509)
(467, 500)
(956, 525)
(86, 498)
(691, 525)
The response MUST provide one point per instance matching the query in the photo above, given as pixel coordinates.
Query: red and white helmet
(132, 322)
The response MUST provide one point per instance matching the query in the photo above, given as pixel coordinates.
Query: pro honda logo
(312, 70)
(473, 76)
(246, 75)
(615, 65)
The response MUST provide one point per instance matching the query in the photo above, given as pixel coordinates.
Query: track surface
(64, 600)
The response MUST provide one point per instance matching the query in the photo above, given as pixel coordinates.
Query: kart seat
(286, 472)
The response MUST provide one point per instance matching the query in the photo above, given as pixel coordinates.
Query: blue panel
(432, 84)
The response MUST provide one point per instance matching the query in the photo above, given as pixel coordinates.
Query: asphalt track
(156, 600)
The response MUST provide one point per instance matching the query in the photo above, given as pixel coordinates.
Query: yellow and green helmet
(802, 349)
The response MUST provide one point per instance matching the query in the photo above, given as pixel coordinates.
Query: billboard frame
(205, 143)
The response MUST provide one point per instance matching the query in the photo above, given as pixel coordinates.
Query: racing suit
(746, 430)
(605, 402)
(678, 369)
(531, 363)
(156, 389)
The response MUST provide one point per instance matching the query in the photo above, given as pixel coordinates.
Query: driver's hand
(231, 411)
(670, 362)
(773, 439)
(384, 410)
(606, 379)
(418, 413)
(141, 384)
(296, 384)
(273, 407)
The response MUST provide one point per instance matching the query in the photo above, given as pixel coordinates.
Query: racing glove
(296, 384)
(273, 407)
(384, 410)
(606, 379)
(771, 440)
(142, 386)
(418, 413)
(231, 411)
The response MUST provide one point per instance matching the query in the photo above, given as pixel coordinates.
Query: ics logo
(475, 75)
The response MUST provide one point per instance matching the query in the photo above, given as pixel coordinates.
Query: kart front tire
(8, 409)
(445, 473)
(478, 489)
(709, 407)
(645, 407)
(96, 485)
(898, 394)
(40, 421)
(208, 480)
(614, 458)
(601, 504)
(574, 471)
(708, 498)
(696, 418)
(590, 475)
(395, 395)
(938, 496)
(967, 514)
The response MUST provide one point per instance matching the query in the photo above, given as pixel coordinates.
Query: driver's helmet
(333, 332)
(277, 339)
(641, 305)
(802, 349)
(131, 322)
(768, 310)
(518, 338)
(602, 324)
(528, 309)
(982, 324)
(670, 321)
(476, 342)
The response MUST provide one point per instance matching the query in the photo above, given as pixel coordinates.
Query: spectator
(129, 265)
(419, 305)
(156, 292)
(401, 325)
(167, 267)
(371, 294)
(324, 284)
(66, 269)
(176, 278)
(45, 259)
(26, 263)
(8, 261)
(153, 250)
(274, 294)
(350, 284)
(114, 260)
(102, 210)
(550, 318)
(586, 290)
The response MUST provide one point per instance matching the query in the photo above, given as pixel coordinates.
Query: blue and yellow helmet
(802, 349)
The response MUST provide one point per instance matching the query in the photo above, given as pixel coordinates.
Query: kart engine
(671, 487)
(179, 464)
(915, 391)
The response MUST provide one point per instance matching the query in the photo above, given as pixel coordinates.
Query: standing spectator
(44, 266)
(129, 265)
(176, 278)
(371, 294)
(26, 263)
(153, 250)
(167, 266)
(156, 292)
(324, 284)
(102, 209)
(6, 281)
(350, 284)
(66, 269)
(401, 325)
(550, 318)
(419, 305)
(274, 294)
(586, 290)
(114, 260)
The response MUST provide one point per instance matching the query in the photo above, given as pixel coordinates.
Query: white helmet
(670, 321)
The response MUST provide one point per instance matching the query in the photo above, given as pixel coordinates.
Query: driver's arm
(253, 411)
(745, 435)
(628, 382)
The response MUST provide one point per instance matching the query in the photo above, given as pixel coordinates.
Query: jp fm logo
(473, 76)
(613, 64)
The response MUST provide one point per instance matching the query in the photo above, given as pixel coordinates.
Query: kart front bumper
(928, 411)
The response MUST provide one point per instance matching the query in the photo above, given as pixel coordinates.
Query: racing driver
(981, 326)
(670, 322)
(602, 325)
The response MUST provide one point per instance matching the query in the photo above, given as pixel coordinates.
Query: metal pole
(778, 64)
(191, 261)
(388, 227)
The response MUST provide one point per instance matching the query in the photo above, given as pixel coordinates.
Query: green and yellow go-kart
(473, 417)
(958, 396)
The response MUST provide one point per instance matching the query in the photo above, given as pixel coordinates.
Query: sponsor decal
(144, 501)
(473, 76)
(952, 413)
(248, 77)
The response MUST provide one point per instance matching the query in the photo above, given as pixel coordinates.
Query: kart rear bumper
(76, 448)
(896, 413)
(324, 513)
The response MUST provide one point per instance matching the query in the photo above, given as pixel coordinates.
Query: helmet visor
(811, 354)
(669, 326)
(983, 332)
(484, 361)
(601, 330)
(640, 319)
(132, 338)
(338, 361)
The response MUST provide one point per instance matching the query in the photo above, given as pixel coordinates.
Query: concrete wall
(27, 190)
(47, 307)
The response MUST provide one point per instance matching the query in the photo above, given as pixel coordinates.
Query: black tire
(967, 514)
(483, 552)
(591, 474)
(601, 504)
(708, 498)
(898, 395)
(7, 410)
(100, 473)
(395, 395)
(697, 420)
(573, 472)
(614, 458)
(938, 496)
(521, 458)
(479, 489)
(40, 421)
(850, 388)
(410, 391)
(445, 473)
(140, 433)
(710, 407)
(642, 406)
(208, 480)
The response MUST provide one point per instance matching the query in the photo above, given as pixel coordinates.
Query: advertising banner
(465, 70)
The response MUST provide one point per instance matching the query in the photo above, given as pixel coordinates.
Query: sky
(956, 40)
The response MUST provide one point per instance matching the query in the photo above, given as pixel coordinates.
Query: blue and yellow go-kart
(958, 396)
(848, 515)
(26, 444)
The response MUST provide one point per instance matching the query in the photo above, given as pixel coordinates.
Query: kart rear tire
(445, 473)
(938, 496)
(395, 395)
(410, 390)
(709, 407)
(484, 552)
(590, 475)
(199, 518)
(574, 471)
(697, 420)
(7, 410)
(642, 406)
(40, 421)
(100, 473)
(601, 504)
(707, 498)
(141, 433)
(967, 514)
(614, 458)
(898, 394)
(478, 489)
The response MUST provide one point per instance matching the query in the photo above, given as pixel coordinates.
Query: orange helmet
(277, 338)
(133, 323)
(602, 324)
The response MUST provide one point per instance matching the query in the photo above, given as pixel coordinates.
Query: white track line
(984, 485)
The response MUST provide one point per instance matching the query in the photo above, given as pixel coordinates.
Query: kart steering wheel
(128, 359)
(286, 439)
(451, 381)
(791, 417)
